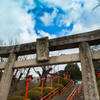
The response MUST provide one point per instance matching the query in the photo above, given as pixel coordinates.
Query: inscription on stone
(42, 49)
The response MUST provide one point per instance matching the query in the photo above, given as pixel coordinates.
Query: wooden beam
(62, 59)
(67, 42)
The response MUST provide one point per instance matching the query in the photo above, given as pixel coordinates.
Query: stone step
(78, 99)
(66, 93)
(79, 96)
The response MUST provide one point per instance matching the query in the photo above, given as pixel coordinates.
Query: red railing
(72, 95)
(80, 88)
(75, 91)
(66, 87)
(51, 94)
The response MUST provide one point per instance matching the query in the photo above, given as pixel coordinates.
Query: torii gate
(42, 47)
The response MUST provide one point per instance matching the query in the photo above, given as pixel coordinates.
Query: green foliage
(98, 78)
(98, 83)
(37, 88)
(61, 73)
(39, 85)
(34, 92)
(36, 97)
(17, 98)
(47, 90)
(96, 65)
(60, 86)
(62, 81)
(73, 70)
(99, 91)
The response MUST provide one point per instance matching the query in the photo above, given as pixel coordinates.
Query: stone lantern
(69, 77)
(58, 78)
(52, 76)
(28, 79)
(43, 78)
(98, 72)
(64, 74)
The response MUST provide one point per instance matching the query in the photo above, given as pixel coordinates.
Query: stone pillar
(88, 73)
(42, 49)
(7, 77)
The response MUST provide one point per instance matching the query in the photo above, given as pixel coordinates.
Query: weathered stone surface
(62, 59)
(88, 73)
(42, 49)
(67, 42)
(7, 77)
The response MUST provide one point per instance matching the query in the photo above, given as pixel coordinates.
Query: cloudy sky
(28, 20)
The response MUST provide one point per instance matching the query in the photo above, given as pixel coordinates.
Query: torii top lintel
(67, 42)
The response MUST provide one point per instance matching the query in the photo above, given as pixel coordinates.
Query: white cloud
(64, 5)
(48, 18)
(82, 17)
(87, 20)
(63, 32)
(44, 34)
(15, 21)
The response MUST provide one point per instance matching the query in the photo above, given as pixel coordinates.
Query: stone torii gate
(42, 47)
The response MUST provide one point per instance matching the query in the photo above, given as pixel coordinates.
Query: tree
(2, 43)
(73, 70)
(98, 5)
(97, 62)
(17, 72)
(45, 70)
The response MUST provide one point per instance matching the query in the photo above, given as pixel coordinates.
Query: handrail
(66, 87)
(72, 95)
(80, 88)
(75, 91)
(51, 94)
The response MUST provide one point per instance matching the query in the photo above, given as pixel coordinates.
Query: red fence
(51, 94)
(75, 91)
(80, 88)
(72, 95)
(66, 87)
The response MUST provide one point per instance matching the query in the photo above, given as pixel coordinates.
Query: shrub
(36, 97)
(47, 90)
(34, 92)
(37, 88)
(98, 78)
(99, 91)
(60, 86)
(17, 98)
(98, 83)
(62, 81)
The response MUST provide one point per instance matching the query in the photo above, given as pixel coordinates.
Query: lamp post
(64, 74)
(98, 73)
(52, 76)
(58, 78)
(11, 83)
(69, 77)
(43, 78)
(28, 79)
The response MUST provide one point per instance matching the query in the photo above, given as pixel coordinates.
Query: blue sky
(28, 20)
